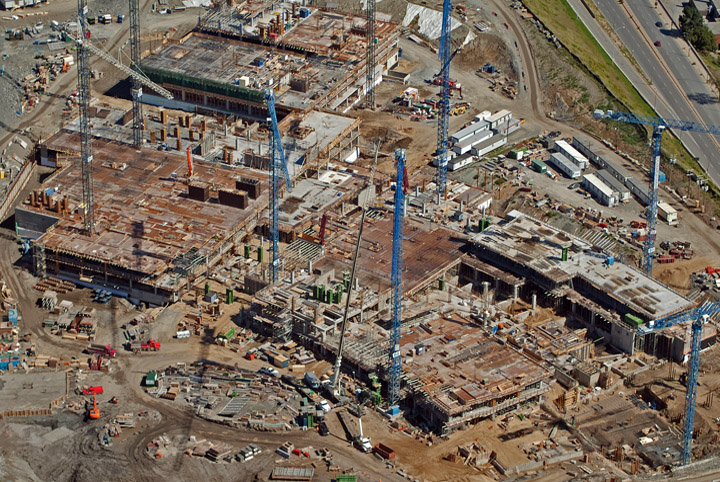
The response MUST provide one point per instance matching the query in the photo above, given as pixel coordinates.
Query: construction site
(280, 237)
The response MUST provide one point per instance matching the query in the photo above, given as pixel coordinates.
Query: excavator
(94, 412)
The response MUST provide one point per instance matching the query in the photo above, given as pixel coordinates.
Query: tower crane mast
(401, 185)
(444, 112)
(370, 65)
(86, 155)
(136, 90)
(277, 162)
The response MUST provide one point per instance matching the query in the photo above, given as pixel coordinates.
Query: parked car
(269, 371)
(324, 406)
(658, 43)
(658, 24)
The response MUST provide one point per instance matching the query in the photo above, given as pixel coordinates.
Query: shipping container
(151, 378)
(228, 333)
(538, 166)
(633, 320)
(384, 451)
(280, 361)
(667, 213)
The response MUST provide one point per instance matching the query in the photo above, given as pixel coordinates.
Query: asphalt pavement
(649, 59)
(675, 52)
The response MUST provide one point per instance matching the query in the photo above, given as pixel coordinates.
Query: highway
(703, 146)
(671, 50)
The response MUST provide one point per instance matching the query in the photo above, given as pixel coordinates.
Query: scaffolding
(40, 262)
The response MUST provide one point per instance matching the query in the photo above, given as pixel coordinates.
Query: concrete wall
(33, 224)
(622, 337)
(18, 185)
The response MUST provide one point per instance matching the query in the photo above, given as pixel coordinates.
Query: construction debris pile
(46, 71)
(255, 401)
(166, 446)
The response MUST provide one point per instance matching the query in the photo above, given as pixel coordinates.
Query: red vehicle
(151, 345)
(106, 350)
(96, 390)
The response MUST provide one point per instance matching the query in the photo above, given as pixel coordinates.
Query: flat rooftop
(538, 246)
(461, 367)
(143, 214)
(318, 129)
(308, 198)
(428, 251)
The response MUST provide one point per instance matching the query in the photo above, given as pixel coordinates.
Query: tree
(695, 30)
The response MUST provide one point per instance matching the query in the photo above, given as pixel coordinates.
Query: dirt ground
(38, 448)
(677, 275)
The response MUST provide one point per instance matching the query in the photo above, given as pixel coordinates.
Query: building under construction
(524, 257)
(157, 230)
(458, 375)
(312, 58)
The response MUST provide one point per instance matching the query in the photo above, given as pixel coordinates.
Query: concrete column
(515, 292)
(534, 302)
(485, 301)
(310, 266)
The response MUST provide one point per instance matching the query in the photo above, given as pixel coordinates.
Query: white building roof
(599, 185)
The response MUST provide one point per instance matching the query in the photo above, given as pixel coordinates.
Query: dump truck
(136, 346)
(106, 350)
(151, 345)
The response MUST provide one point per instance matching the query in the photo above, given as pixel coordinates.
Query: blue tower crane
(401, 186)
(445, 55)
(699, 317)
(659, 125)
(277, 161)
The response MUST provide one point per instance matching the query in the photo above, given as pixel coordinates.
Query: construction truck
(352, 433)
(106, 350)
(94, 390)
(137, 346)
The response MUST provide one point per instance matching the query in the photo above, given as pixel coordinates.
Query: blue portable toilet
(13, 316)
